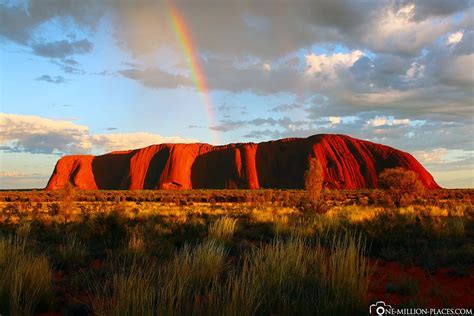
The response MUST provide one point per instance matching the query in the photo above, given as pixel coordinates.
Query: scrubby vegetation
(26, 278)
(231, 252)
(313, 179)
(402, 185)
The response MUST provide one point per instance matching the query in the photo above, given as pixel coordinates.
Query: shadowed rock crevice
(112, 171)
(155, 169)
(282, 164)
(216, 169)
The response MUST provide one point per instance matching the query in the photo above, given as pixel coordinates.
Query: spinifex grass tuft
(186, 282)
(347, 273)
(130, 291)
(284, 277)
(72, 252)
(223, 228)
(25, 279)
(296, 277)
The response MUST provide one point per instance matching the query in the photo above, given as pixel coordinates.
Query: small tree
(67, 201)
(403, 185)
(313, 179)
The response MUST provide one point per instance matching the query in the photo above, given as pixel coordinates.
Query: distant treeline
(184, 197)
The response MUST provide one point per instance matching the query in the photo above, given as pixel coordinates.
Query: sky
(92, 76)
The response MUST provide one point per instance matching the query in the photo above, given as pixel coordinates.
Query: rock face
(348, 163)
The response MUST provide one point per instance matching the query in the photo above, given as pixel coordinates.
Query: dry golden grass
(355, 213)
(226, 258)
(223, 228)
(25, 278)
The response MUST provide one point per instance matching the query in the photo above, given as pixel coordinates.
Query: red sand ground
(438, 290)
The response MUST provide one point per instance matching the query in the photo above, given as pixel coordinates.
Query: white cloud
(388, 97)
(13, 125)
(399, 32)
(34, 134)
(400, 122)
(334, 120)
(42, 135)
(22, 180)
(377, 121)
(327, 64)
(382, 120)
(455, 38)
(406, 11)
(124, 141)
(431, 156)
(17, 174)
(415, 71)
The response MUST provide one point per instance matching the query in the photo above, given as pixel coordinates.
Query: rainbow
(191, 56)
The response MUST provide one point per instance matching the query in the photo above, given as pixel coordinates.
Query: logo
(379, 308)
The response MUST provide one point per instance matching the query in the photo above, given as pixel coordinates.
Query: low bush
(402, 185)
(311, 207)
(108, 229)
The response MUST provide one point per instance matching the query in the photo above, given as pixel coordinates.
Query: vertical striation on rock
(348, 163)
